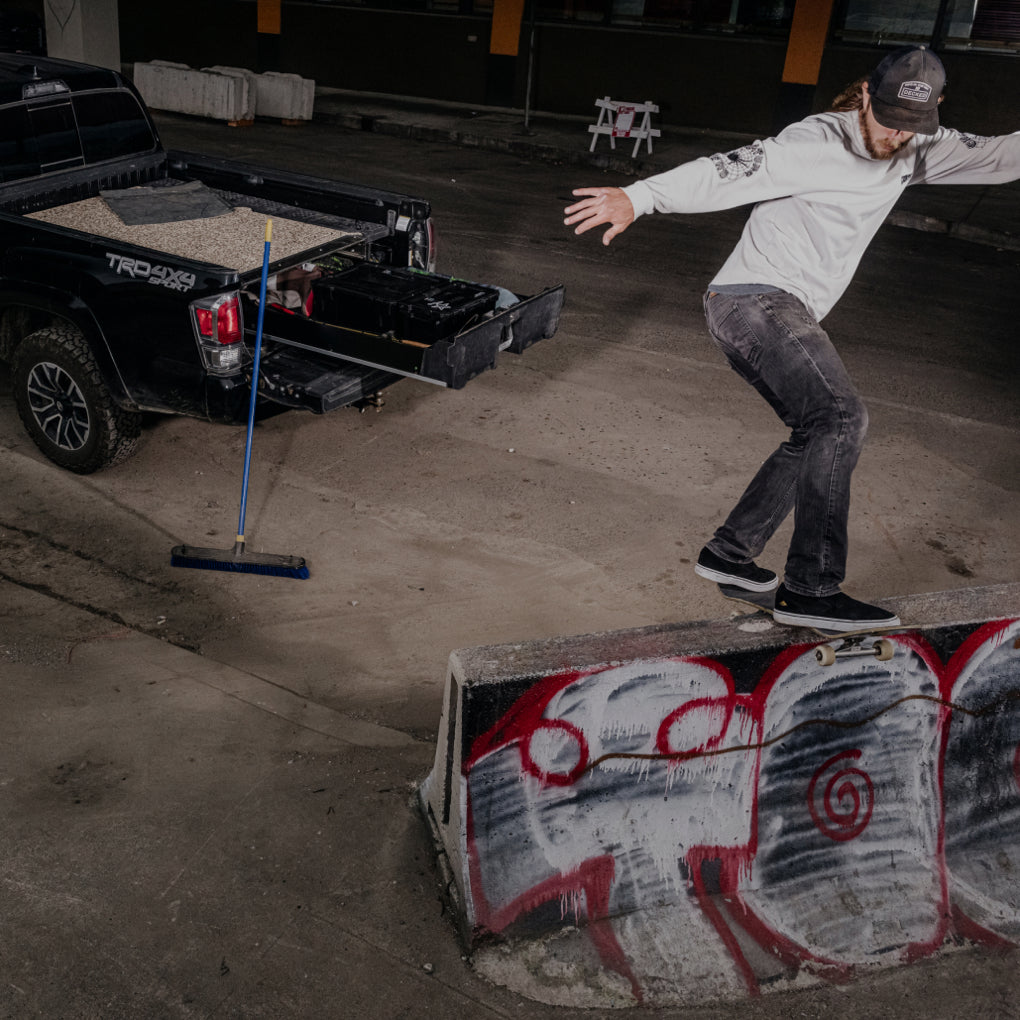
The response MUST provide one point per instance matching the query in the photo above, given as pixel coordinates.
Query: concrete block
(250, 90)
(700, 812)
(284, 96)
(179, 89)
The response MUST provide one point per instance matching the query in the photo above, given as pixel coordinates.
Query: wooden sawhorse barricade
(617, 119)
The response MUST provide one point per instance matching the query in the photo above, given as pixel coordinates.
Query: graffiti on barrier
(834, 816)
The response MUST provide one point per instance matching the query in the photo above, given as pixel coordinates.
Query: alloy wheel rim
(58, 406)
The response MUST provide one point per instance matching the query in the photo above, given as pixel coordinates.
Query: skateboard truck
(855, 644)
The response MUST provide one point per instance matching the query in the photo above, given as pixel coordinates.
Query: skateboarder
(821, 189)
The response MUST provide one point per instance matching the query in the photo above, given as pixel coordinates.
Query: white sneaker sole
(828, 623)
(738, 582)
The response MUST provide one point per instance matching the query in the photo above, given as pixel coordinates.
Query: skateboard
(851, 642)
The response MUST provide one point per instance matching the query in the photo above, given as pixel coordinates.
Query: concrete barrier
(234, 94)
(165, 85)
(700, 812)
(249, 90)
(288, 97)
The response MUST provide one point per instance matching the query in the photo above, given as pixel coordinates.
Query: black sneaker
(830, 612)
(740, 575)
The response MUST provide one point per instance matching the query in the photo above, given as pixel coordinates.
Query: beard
(878, 148)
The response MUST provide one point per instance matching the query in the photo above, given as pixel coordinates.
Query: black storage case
(443, 310)
(419, 307)
(364, 297)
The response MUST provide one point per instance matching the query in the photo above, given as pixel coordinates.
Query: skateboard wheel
(884, 649)
(825, 654)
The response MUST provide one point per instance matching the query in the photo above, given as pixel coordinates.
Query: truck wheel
(65, 405)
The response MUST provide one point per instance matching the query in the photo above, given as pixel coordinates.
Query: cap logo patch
(916, 91)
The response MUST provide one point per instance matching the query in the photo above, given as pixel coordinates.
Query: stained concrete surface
(207, 778)
(183, 839)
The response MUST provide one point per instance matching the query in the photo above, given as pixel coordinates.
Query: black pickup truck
(130, 277)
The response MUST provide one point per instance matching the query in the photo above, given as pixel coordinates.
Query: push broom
(238, 559)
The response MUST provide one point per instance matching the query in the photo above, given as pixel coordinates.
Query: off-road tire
(65, 405)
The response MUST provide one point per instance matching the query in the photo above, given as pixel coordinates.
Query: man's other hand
(602, 205)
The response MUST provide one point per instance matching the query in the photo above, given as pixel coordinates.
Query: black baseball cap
(905, 90)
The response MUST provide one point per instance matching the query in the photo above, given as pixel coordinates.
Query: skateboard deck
(850, 642)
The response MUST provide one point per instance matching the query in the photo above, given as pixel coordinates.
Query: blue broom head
(239, 562)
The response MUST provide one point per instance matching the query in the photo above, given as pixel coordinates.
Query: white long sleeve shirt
(818, 196)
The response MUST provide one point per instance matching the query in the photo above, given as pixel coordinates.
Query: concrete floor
(207, 778)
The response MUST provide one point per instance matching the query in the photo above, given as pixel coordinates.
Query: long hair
(851, 98)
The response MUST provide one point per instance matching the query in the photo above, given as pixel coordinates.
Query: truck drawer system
(422, 325)
(413, 306)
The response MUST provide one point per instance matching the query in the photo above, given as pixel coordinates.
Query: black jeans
(774, 342)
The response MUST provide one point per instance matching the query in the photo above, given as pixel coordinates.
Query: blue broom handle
(254, 381)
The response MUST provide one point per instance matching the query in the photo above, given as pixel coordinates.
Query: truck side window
(112, 124)
(56, 136)
(18, 156)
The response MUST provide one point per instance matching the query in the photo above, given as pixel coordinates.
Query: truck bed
(234, 240)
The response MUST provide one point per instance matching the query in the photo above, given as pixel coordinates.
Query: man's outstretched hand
(602, 205)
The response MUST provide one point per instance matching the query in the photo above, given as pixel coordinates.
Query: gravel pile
(234, 240)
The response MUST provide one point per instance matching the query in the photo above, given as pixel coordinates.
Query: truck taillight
(219, 330)
(421, 246)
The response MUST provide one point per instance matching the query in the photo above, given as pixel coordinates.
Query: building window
(949, 24)
(890, 21)
(996, 23)
(729, 16)
(992, 25)
(742, 17)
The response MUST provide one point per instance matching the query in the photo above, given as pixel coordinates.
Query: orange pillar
(268, 39)
(808, 34)
(504, 44)
(269, 16)
(506, 27)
